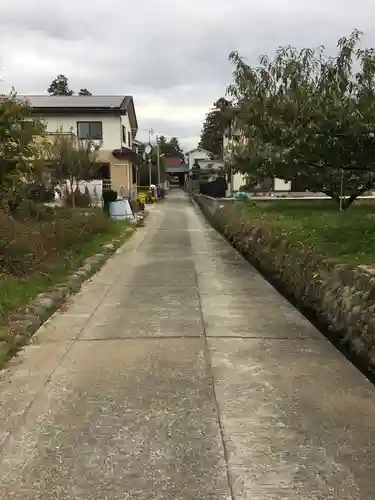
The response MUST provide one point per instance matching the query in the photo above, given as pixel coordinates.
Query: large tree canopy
(310, 117)
(214, 126)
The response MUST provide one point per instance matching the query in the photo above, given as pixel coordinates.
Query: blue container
(121, 210)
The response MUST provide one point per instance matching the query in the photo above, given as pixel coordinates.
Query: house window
(90, 130)
(129, 140)
(124, 134)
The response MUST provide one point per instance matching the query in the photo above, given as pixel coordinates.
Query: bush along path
(27, 301)
(319, 278)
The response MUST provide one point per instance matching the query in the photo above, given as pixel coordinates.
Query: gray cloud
(172, 55)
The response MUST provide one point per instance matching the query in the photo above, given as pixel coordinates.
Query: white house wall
(281, 185)
(112, 127)
(239, 180)
(197, 155)
(126, 123)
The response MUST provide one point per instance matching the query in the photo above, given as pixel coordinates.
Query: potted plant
(141, 201)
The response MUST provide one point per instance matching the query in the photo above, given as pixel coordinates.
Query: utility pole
(149, 172)
(150, 132)
(148, 151)
(341, 190)
(158, 158)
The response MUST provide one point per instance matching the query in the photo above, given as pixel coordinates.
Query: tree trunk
(73, 192)
(347, 202)
(332, 195)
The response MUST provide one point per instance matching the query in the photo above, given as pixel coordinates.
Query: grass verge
(15, 293)
(348, 237)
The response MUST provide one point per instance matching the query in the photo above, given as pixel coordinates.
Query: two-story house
(110, 122)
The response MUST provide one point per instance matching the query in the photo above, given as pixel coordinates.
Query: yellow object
(141, 198)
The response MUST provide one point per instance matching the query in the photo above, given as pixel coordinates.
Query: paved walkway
(178, 373)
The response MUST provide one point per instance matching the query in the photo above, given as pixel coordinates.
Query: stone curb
(341, 297)
(25, 322)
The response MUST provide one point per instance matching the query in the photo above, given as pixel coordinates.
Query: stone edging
(340, 297)
(25, 322)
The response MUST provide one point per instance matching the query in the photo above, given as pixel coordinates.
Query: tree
(162, 144)
(214, 126)
(73, 161)
(309, 117)
(174, 147)
(84, 92)
(171, 147)
(19, 151)
(59, 86)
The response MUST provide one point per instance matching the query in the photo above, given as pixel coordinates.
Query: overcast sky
(171, 55)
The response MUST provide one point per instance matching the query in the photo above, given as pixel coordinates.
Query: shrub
(82, 200)
(72, 229)
(36, 245)
(39, 193)
(21, 248)
(14, 200)
(29, 209)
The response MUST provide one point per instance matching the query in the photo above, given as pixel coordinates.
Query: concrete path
(178, 373)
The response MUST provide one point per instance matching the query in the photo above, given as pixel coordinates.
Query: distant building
(176, 169)
(203, 157)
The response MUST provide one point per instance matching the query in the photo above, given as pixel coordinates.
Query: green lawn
(16, 293)
(347, 236)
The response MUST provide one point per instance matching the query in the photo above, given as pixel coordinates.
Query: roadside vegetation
(306, 116)
(349, 238)
(41, 244)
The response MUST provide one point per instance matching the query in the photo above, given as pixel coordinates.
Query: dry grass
(34, 255)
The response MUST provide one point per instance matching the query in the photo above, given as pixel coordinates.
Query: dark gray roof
(76, 101)
(63, 104)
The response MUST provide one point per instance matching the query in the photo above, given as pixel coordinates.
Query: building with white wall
(110, 122)
(203, 157)
(232, 137)
(197, 154)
